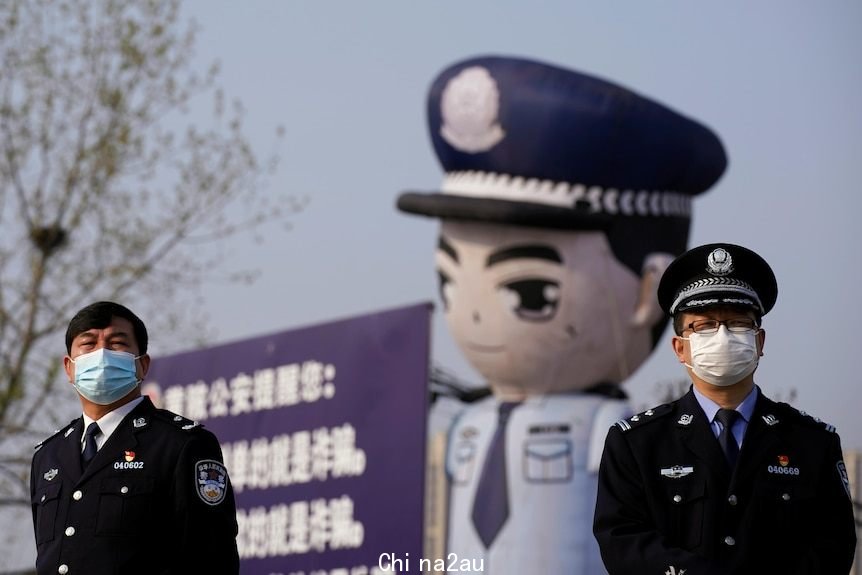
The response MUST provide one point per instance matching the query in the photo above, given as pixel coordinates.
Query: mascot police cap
(718, 274)
(530, 144)
(527, 143)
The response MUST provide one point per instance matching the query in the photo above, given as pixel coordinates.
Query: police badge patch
(845, 479)
(211, 481)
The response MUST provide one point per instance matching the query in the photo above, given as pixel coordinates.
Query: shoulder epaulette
(177, 420)
(644, 417)
(809, 419)
(67, 429)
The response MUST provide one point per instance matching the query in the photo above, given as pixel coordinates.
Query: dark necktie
(90, 443)
(491, 503)
(727, 417)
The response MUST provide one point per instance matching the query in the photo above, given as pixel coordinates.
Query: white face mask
(723, 358)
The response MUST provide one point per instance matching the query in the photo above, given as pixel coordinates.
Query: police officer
(723, 480)
(127, 488)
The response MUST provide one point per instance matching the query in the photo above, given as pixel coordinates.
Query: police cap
(718, 274)
(528, 143)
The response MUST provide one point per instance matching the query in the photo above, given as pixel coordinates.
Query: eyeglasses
(710, 326)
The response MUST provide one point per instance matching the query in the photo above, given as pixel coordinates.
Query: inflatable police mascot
(564, 199)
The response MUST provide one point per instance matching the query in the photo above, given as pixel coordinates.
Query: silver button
(732, 500)
(77, 496)
(677, 498)
(63, 569)
(70, 531)
(729, 541)
(786, 497)
(124, 489)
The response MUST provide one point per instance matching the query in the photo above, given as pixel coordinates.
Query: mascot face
(540, 311)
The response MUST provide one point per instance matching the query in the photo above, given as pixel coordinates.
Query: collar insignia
(51, 474)
(69, 432)
(685, 419)
(770, 419)
(139, 422)
(677, 471)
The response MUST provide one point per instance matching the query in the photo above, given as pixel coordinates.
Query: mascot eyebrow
(521, 252)
(448, 248)
(541, 252)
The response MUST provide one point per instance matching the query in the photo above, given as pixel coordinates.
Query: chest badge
(128, 461)
(783, 467)
(51, 474)
(677, 471)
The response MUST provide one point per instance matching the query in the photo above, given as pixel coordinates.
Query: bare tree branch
(110, 188)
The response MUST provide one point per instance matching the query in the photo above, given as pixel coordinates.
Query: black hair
(98, 316)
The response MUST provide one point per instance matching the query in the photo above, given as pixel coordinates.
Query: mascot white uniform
(564, 199)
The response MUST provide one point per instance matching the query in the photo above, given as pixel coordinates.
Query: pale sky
(778, 81)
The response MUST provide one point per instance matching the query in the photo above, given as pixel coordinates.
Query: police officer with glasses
(723, 480)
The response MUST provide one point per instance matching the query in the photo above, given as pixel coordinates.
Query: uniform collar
(710, 408)
(109, 422)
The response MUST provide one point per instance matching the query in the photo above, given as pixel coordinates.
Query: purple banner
(323, 431)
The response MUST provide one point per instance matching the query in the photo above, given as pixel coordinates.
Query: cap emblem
(470, 106)
(719, 262)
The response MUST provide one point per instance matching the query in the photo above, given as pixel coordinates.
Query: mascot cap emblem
(470, 107)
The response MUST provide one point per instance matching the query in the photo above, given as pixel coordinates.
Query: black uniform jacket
(155, 499)
(668, 502)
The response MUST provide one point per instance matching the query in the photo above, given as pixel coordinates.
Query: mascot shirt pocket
(548, 460)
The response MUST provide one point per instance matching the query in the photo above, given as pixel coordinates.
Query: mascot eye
(531, 300)
(447, 289)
